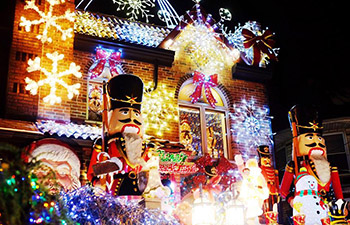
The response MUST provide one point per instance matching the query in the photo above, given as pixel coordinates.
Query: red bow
(102, 57)
(263, 43)
(199, 79)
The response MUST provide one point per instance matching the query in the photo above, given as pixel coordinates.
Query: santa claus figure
(58, 158)
(118, 167)
(309, 151)
(253, 190)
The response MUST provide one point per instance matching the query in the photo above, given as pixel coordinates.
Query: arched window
(203, 129)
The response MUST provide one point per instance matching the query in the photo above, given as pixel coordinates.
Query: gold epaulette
(289, 169)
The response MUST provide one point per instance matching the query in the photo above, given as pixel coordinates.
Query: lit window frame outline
(203, 107)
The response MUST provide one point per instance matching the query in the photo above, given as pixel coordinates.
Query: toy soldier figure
(309, 151)
(118, 167)
(270, 175)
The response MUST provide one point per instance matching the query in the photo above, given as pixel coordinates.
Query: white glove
(118, 162)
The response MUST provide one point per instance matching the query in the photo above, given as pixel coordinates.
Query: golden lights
(203, 48)
(159, 109)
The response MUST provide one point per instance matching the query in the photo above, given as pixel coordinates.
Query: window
(95, 103)
(338, 155)
(203, 129)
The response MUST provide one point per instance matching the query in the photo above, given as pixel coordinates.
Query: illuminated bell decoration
(53, 78)
(49, 20)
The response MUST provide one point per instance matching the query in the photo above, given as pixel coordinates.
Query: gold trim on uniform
(131, 100)
(313, 126)
(334, 169)
(289, 169)
(132, 175)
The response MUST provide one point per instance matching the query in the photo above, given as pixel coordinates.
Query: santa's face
(63, 175)
(311, 144)
(128, 120)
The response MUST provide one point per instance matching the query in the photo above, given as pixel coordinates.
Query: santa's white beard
(322, 167)
(133, 147)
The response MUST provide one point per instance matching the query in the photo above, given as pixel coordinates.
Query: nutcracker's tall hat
(125, 90)
(264, 151)
(304, 119)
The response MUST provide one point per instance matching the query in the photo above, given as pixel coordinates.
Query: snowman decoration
(307, 201)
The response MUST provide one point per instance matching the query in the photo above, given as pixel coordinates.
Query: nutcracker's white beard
(322, 167)
(133, 146)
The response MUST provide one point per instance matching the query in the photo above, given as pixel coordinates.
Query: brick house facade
(152, 63)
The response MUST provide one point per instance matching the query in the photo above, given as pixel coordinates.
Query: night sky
(313, 60)
(312, 66)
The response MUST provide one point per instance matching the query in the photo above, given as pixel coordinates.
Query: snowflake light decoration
(53, 78)
(48, 19)
(135, 8)
(251, 125)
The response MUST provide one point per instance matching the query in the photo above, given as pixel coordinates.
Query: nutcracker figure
(118, 166)
(309, 151)
(271, 176)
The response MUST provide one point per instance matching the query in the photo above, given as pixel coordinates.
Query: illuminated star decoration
(251, 125)
(49, 20)
(135, 8)
(53, 78)
(158, 109)
(199, 41)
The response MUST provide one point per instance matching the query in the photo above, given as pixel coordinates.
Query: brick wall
(20, 104)
(25, 45)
